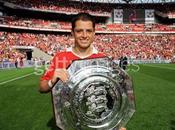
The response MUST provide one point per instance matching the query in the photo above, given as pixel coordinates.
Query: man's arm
(44, 87)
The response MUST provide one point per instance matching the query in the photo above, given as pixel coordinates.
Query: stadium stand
(138, 46)
(61, 6)
(138, 41)
(48, 24)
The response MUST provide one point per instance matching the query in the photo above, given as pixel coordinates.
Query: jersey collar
(94, 51)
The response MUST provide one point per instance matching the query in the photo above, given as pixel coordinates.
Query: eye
(78, 30)
(89, 30)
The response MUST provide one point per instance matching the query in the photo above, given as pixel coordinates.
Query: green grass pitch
(22, 107)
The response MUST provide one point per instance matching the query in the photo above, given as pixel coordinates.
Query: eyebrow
(80, 29)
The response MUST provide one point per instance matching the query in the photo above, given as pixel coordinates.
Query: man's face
(83, 34)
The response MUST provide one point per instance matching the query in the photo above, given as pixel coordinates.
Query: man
(83, 31)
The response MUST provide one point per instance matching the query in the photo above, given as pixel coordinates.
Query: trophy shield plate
(98, 96)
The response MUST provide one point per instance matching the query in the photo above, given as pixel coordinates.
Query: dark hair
(83, 17)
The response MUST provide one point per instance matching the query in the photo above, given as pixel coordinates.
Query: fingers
(62, 74)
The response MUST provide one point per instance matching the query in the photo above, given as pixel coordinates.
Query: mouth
(84, 41)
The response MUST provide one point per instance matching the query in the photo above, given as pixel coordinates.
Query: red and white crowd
(63, 6)
(135, 46)
(48, 24)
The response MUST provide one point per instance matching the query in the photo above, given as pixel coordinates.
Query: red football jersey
(64, 59)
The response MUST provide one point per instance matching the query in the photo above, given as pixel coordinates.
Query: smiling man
(83, 31)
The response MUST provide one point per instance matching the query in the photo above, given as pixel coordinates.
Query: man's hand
(61, 74)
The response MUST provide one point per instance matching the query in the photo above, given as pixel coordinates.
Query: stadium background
(31, 32)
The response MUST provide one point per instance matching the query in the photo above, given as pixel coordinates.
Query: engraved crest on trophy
(98, 96)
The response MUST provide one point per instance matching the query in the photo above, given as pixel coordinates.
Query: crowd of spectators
(168, 11)
(7, 53)
(171, 14)
(33, 23)
(40, 23)
(64, 6)
(135, 46)
(48, 24)
(139, 27)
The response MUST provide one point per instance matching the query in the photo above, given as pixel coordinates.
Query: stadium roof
(129, 1)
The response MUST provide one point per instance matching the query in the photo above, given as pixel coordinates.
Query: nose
(84, 33)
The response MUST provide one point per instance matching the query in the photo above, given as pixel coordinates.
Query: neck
(81, 52)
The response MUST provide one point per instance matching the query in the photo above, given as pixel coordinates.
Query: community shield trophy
(97, 96)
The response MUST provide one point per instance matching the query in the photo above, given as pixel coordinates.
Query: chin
(84, 47)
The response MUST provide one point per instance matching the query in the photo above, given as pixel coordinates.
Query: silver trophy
(97, 96)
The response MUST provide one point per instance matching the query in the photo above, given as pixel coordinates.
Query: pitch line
(16, 78)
